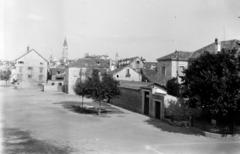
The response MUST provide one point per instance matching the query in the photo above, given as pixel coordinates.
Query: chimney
(217, 46)
(28, 48)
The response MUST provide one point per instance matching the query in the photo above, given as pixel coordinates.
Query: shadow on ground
(89, 107)
(174, 129)
(18, 141)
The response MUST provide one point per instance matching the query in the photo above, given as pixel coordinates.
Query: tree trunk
(99, 108)
(108, 100)
(82, 101)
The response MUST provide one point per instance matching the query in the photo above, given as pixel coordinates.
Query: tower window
(128, 73)
(164, 71)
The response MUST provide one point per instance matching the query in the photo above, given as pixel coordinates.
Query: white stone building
(31, 67)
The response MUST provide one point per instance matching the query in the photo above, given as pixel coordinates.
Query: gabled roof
(32, 50)
(229, 44)
(177, 55)
(121, 68)
(90, 63)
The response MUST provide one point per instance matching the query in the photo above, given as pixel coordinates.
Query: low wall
(129, 99)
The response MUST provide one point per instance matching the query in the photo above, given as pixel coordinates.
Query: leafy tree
(110, 87)
(95, 88)
(173, 87)
(81, 88)
(212, 82)
(5, 75)
(101, 89)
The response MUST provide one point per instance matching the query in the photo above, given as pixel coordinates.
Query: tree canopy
(98, 87)
(212, 82)
(173, 87)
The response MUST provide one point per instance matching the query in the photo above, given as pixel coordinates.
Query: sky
(147, 28)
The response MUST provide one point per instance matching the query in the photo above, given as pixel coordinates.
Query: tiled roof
(32, 50)
(128, 59)
(229, 44)
(121, 68)
(90, 63)
(177, 55)
(133, 84)
(148, 65)
(150, 75)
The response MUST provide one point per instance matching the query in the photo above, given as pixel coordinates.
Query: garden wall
(129, 99)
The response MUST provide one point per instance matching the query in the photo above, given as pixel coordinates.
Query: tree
(95, 88)
(173, 87)
(81, 89)
(212, 82)
(5, 75)
(101, 89)
(110, 87)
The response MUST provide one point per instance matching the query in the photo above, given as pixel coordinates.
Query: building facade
(127, 74)
(31, 67)
(172, 65)
(82, 69)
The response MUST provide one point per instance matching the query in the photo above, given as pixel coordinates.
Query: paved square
(41, 118)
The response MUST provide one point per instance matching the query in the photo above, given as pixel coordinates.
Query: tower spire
(65, 51)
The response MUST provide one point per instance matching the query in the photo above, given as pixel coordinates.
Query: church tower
(65, 51)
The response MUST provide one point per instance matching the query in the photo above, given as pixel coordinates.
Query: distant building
(135, 63)
(81, 69)
(31, 67)
(172, 65)
(127, 73)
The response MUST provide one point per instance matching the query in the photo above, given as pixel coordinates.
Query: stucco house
(31, 67)
(81, 69)
(172, 65)
(127, 73)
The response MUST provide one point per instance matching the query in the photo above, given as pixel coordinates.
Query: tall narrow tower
(65, 51)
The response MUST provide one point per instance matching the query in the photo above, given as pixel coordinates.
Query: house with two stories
(172, 65)
(31, 67)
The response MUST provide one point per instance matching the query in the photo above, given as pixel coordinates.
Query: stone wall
(129, 99)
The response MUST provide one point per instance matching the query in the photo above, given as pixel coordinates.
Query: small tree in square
(110, 87)
(81, 88)
(5, 75)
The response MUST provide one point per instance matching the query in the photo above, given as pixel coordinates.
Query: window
(20, 69)
(41, 69)
(41, 63)
(20, 77)
(40, 77)
(20, 62)
(181, 69)
(29, 76)
(30, 68)
(164, 71)
(127, 73)
(138, 62)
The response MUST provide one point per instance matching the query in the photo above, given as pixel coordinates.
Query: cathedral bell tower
(65, 51)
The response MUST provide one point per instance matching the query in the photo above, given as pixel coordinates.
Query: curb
(221, 136)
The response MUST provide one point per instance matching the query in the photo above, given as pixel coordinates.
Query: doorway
(146, 103)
